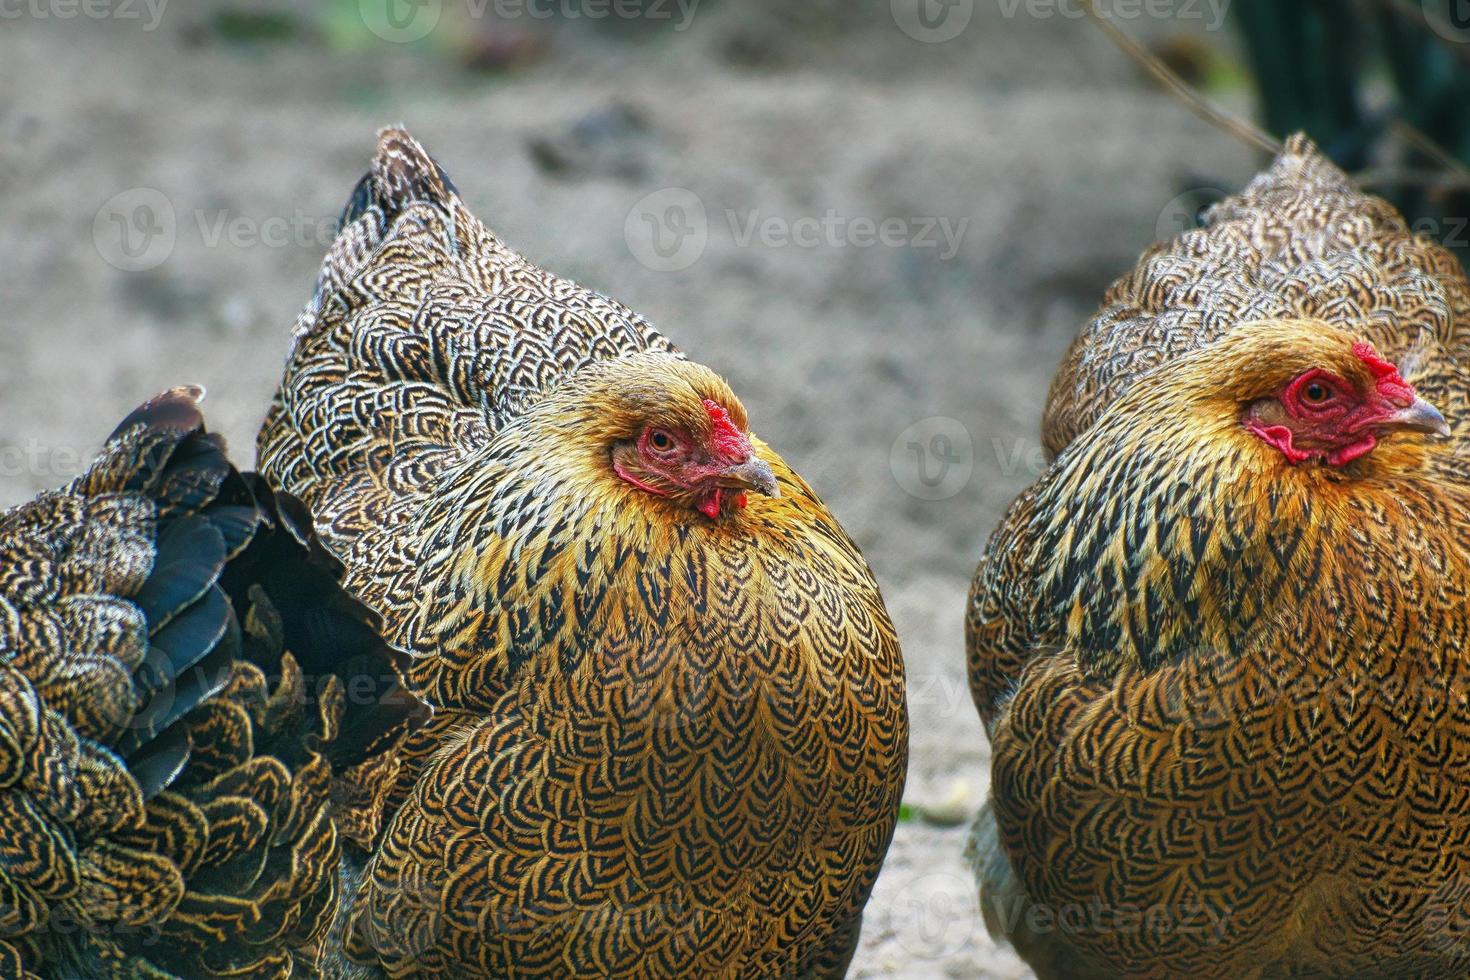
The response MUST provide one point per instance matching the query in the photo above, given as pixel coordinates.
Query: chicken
(668, 729)
(164, 809)
(1220, 646)
(1300, 242)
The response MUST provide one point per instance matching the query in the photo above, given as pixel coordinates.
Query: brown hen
(163, 777)
(668, 729)
(1220, 646)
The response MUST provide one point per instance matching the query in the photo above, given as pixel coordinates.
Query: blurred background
(883, 220)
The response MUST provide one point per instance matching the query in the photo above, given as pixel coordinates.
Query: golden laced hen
(1220, 646)
(163, 805)
(669, 729)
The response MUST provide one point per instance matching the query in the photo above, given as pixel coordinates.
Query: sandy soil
(903, 381)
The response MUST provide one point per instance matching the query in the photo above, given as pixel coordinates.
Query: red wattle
(1347, 454)
(1279, 437)
(709, 506)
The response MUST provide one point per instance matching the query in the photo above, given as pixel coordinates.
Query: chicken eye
(660, 441)
(1316, 393)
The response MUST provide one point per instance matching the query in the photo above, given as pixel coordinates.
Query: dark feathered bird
(668, 731)
(1220, 647)
(163, 777)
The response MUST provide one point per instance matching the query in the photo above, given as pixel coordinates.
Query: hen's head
(674, 430)
(1322, 396)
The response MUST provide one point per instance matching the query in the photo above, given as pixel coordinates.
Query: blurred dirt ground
(905, 383)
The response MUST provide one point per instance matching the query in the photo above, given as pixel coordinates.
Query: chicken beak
(753, 474)
(1420, 416)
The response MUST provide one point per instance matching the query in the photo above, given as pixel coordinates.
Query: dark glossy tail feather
(214, 549)
(206, 517)
(191, 556)
(209, 811)
(222, 533)
(191, 625)
(328, 632)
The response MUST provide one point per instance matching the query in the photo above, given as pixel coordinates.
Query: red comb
(725, 438)
(1390, 385)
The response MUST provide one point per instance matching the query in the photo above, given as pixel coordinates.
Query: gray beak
(1418, 417)
(753, 474)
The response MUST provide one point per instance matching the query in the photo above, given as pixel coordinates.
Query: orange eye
(660, 440)
(1316, 393)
